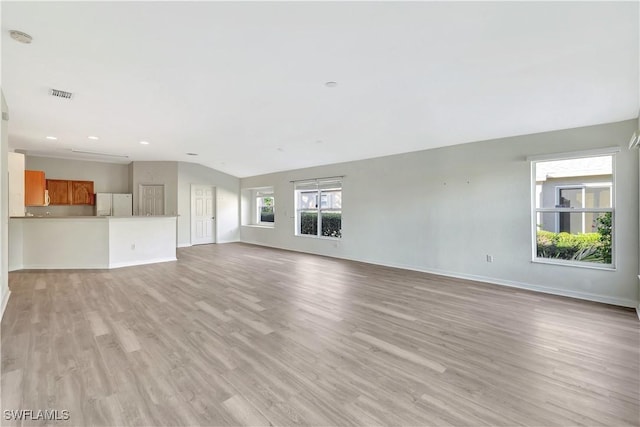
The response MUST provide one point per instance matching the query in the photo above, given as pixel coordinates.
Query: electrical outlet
(489, 258)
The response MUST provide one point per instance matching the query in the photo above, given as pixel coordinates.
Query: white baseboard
(624, 302)
(638, 311)
(141, 262)
(5, 301)
(184, 245)
(63, 267)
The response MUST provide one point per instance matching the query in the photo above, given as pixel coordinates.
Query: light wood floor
(241, 335)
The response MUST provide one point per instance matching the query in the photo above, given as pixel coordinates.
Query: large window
(265, 204)
(574, 207)
(319, 207)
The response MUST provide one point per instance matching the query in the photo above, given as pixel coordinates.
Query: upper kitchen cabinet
(34, 186)
(65, 192)
(59, 191)
(82, 193)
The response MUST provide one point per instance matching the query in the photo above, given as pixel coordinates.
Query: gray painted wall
(444, 210)
(4, 208)
(106, 177)
(227, 201)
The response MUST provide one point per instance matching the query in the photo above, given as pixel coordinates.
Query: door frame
(164, 195)
(215, 211)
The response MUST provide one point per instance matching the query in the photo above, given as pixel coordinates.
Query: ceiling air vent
(60, 94)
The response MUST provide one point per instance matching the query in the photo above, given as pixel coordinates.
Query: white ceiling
(243, 84)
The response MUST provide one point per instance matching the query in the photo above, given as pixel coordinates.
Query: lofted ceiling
(243, 84)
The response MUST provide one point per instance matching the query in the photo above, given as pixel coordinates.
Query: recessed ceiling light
(95, 138)
(192, 154)
(331, 84)
(144, 142)
(53, 138)
(20, 36)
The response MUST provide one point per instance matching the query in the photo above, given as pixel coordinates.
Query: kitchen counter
(87, 242)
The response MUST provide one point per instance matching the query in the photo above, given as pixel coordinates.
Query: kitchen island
(87, 242)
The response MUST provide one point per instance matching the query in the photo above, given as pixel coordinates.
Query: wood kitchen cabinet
(34, 186)
(66, 192)
(59, 191)
(82, 193)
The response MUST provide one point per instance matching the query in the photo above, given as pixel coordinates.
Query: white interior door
(151, 200)
(203, 229)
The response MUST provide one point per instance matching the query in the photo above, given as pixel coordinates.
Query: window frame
(534, 160)
(260, 196)
(318, 208)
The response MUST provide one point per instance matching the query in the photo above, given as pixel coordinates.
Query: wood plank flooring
(237, 334)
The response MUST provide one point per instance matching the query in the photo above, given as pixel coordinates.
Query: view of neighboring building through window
(574, 210)
(319, 207)
(265, 203)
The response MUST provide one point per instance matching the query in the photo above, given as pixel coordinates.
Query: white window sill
(578, 264)
(310, 236)
(259, 226)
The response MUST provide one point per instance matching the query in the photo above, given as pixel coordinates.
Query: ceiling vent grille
(60, 94)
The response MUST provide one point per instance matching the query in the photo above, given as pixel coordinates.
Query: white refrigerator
(112, 204)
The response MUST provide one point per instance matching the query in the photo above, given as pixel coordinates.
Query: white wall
(4, 210)
(444, 210)
(227, 201)
(134, 241)
(54, 243)
(156, 173)
(106, 177)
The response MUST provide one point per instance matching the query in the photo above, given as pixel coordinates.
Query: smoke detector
(60, 93)
(21, 37)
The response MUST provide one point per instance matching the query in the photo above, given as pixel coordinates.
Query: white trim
(96, 266)
(569, 155)
(143, 262)
(638, 311)
(64, 267)
(570, 263)
(5, 301)
(228, 241)
(259, 226)
(623, 302)
(184, 245)
(535, 211)
(313, 236)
